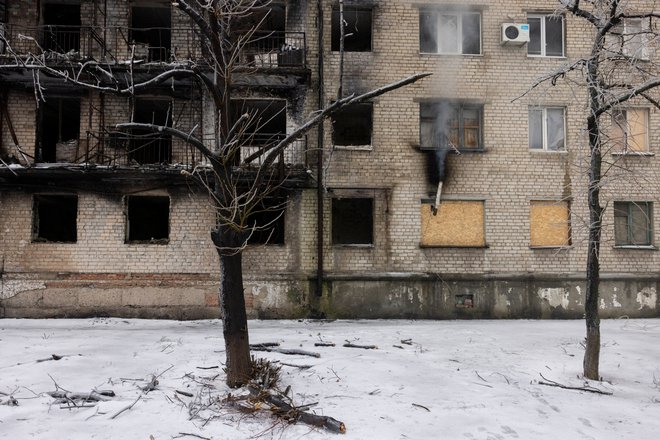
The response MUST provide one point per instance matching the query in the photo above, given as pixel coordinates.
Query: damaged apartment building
(448, 198)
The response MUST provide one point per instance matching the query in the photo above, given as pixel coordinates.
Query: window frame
(153, 241)
(334, 233)
(629, 241)
(643, 40)
(459, 13)
(36, 217)
(335, 41)
(368, 108)
(622, 147)
(543, 31)
(544, 128)
(461, 106)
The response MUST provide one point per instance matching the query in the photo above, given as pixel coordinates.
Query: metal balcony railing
(266, 49)
(115, 148)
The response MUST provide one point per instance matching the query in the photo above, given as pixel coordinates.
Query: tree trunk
(592, 350)
(232, 302)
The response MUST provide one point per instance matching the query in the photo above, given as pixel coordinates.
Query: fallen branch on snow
(292, 351)
(588, 388)
(365, 347)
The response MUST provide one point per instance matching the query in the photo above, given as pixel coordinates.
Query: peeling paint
(615, 302)
(555, 296)
(602, 304)
(9, 289)
(647, 297)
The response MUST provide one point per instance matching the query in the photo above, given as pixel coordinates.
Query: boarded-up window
(630, 129)
(458, 223)
(549, 223)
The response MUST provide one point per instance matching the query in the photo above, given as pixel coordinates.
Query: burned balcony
(114, 45)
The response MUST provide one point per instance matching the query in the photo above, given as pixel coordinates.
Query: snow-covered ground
(459, 379)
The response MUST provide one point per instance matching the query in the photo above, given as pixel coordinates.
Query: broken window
(151, 32)
(633, 223)
(549, 223)
(268, 45)
(546, 128)
(59, 130)
(268, 220)
(146, 146)
(54, 218)
(465, 301)
(357, 29)
(448, 124)
(458, 223)
(630, 130)
(265, 126)
(353, 221)
(450, 32)
(148, 219)
(353, 125)
(62, 27)
(546, 35)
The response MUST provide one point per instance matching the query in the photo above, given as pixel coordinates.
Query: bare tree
(236, 186)
(619, 68)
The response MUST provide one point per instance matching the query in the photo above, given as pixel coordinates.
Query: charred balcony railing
(118, 149)
(266, 49)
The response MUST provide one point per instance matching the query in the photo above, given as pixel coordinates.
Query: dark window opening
(148, 219)
(268, 222)
(54, 218)
(465, 301)
(3, 11)
(59, 130)
(266, 123)
(357, 30)
(353, 125)
(633, 223)
(147, 147)
(451, 125)
(151, 32)
(62, 27)
(352, 221)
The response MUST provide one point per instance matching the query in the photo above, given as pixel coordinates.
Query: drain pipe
(319, 159)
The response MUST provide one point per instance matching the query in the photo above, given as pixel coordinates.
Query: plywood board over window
(459, 223)
(549, 223)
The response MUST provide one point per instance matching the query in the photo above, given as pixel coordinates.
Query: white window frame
(542, 18)
(626, 39)
(544, 128)
(459, 31)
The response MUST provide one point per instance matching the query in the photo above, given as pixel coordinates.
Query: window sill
(547, 57)
(540, 151)
(460, 150)
(550, 248)
(440, 246)
(634, 153)
(353, 246)
(638, 247)
(435, 54)
(354, 147)
(159, 242)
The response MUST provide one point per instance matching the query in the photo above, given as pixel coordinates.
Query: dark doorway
(147, 147)
(151, 29)
(62, 27)
(59, 129)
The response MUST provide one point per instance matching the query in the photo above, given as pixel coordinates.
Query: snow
(478, 379)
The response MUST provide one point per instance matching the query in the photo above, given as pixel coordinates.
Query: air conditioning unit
(515, 33)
